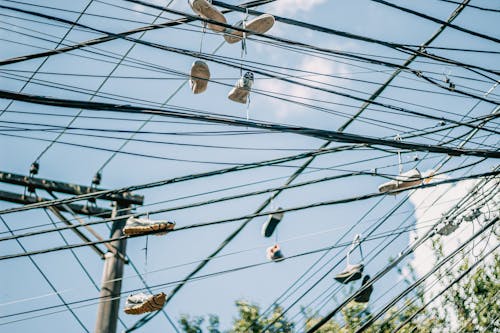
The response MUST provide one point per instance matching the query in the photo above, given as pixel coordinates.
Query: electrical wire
(389, 267)
(198, 225)
(436, 20)
(164, 284)
(203, 56)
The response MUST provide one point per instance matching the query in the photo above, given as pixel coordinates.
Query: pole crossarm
(78, 209)
(56, 186)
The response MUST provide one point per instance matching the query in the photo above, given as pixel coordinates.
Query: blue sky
(299, 231)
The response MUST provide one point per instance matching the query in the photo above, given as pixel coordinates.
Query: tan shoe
(259, 24)
(405, 180)
(200, 74)
(206, 10)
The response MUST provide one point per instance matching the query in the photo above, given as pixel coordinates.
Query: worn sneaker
(136, 226)
(274, 253)
(200, 74)
(259, 24)
(206, 10)
(405, 180)
(350, 273)
(271, 223)
(241, 89)
(447, 228)
(142, 303)
(364, 295)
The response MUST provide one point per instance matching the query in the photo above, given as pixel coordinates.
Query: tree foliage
(469, 306)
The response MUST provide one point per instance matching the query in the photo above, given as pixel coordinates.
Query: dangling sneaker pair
(136, 226)
(142, 303)
(274, 253)
(205, 9)
(352, 273)
(200, 75)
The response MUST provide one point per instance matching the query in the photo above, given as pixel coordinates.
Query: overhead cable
(436, 20)
(205, 224)
(316, 133)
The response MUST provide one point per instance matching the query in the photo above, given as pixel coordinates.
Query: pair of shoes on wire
(363, 295)
(274, 253)
(136, 226)
(141, 303)
(405, 180)
(259, 24)
(200, 75)
(352, 272)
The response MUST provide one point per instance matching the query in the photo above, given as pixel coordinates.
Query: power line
(217, 273)
(205, 224)
(474, 6)
(317, 133)
(203, 56)
(436, 20)
(51, 285)
(389, 267)
(443, 261)
(313, 27)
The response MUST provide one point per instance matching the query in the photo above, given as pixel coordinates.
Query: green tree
(472, 305)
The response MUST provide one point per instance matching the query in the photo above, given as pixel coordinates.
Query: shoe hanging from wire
(352, 272)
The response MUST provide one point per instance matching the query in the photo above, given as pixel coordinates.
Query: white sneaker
(242, 89)
(206, 10)
(405, 180)
(135, 226)
(200, 74)
(260, 24)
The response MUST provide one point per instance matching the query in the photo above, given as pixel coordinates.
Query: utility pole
(111, 285)
(114, 258)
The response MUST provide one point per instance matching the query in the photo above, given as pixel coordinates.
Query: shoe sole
(268, 228)
(392, 186)
(155, 303)
(349, 278)
(139, 230)
(260, 25)
(200, 74)
(239, 95)
(206, 10)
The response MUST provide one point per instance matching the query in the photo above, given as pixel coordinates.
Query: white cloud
(290, 7)
(430, 205)
(309, 64)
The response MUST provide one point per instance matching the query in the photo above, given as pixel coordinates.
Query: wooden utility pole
(114, 259)
(111, 285)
